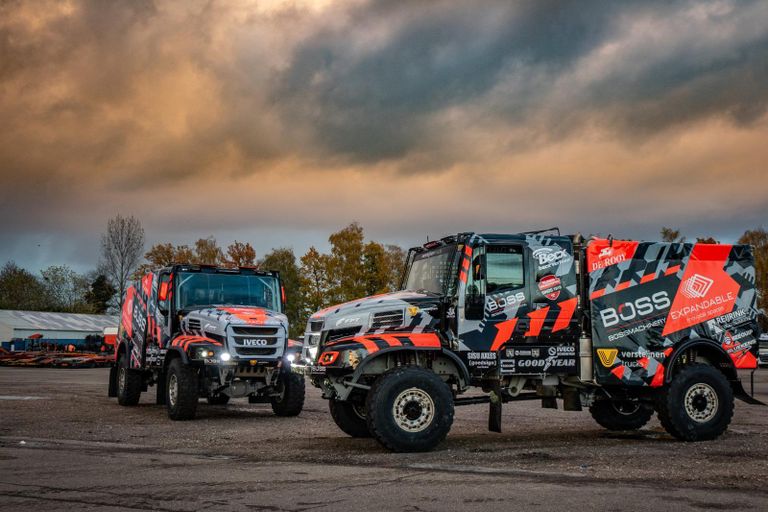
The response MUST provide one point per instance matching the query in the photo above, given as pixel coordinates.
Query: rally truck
(197, 331)
(621, 327)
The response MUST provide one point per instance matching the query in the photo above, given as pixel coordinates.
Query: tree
(100, 294)
(706, 240)
(758, 239)
(284, 261)
(243, 255)
(376, 271)
(20, 289)
(396, 257)
(65, 289)
(315, 283)
(671, 235)
(121, 248)
(207, 252)
(345, 264)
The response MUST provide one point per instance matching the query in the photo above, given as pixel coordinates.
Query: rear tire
(181, 391)
(128, 383)
(291, 399)
(409, 409)
(697, 405)
(218, 400)
(350, 418)
(621, 415)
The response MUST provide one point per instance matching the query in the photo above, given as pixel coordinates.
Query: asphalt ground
(65, 446)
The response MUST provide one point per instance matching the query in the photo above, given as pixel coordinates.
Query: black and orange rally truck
(198, 331)
(622, 327)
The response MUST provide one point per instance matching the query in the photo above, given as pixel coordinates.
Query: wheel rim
(701, 402)
(359, 410)
(626, 408)
(413, 410)
(173, 390)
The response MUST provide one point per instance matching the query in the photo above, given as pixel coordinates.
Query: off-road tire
(621, 415)
(691, 393)
(348, 418)
(291, 399)
(218, 400)
(183, 405)
(412, 391)
(128, 383)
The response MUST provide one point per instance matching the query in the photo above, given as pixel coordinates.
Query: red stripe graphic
(537, 321)
(567, 307)
(505, 330)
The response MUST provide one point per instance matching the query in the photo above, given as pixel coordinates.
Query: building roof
(45, 321)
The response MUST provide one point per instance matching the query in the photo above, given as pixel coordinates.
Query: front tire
(290, 402)
(128, 383)
(350, 418)
(621, 414)
(697, 405)
(181, 391)
(409, 409)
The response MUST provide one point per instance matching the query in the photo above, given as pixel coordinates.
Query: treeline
(352, 269)
(57, 288)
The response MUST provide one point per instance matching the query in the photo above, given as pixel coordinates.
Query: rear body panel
(648, 298)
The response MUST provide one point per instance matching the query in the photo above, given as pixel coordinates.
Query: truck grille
(385, 319)
(193, 324)
(271, 341)
(337, 334)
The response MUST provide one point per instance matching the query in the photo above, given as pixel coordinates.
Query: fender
(709, 348)
(174, 352)
(460, 366)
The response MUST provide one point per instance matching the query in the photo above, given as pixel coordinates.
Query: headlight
(203, 353)
(291, 358)
(312, 351)
(225, 356)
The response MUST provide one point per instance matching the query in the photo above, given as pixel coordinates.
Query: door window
(504, 268)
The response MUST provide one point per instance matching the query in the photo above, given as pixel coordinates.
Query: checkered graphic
(696, 286)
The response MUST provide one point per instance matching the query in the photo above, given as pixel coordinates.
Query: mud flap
(494, 410)
(112, 391)
(740, 393)
(160, 384)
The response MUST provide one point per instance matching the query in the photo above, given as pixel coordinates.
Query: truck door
(496, 298)
(554, 294)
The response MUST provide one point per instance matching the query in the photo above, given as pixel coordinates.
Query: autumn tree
(65, 289)
(207, 252)
(345, 264)
(758, 239)
(241, 254)
(315, 283)
(284, 261)
(121, 248)
(671, 235)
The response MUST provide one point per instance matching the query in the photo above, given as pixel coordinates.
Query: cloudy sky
(278, 122)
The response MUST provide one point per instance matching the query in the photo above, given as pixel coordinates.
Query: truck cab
(606, 324)
(204, 331)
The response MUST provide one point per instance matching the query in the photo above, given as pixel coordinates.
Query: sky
(279, 122)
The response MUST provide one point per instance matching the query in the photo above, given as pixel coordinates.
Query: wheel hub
(173, 390)
(701, 402)
(413, 410)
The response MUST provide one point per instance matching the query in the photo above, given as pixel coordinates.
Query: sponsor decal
(696, 286)
(607, 356)
(630, 310)
(548, 257)
(497, 304)
(734, 317)
(537, 360)
(706, 290)
(550, 286)
(636, 329)
(602, 253)
(413, 310)
(481, 360)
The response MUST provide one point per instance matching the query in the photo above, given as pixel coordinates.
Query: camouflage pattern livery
(649, 298)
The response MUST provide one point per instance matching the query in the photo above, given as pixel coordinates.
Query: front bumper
(308, 369)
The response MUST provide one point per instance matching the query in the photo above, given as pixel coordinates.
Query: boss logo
(355, 320)
(643, 306)
(255, 342)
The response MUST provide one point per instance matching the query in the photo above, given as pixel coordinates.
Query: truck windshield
(196, 289)
(432, 271)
